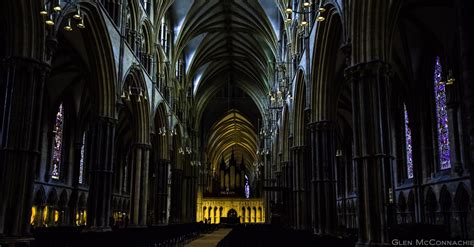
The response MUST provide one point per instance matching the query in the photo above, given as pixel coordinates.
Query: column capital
(297, 148)
(141, 145)
(322, 125)
(164, 161)
(30, 63)
(105, 119)
(368, 69)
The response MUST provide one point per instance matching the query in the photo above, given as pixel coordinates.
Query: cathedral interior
(270, 122)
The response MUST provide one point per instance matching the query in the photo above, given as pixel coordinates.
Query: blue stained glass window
(441, 117)
(408, 146)
(57, 143)
(247, 187)
(81, 162)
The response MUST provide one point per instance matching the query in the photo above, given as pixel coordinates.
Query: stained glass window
(441, 117)
(81, 162)
(408, 146)
(247, 187)
(57, 143)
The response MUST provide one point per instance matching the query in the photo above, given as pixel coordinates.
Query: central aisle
(210, 240)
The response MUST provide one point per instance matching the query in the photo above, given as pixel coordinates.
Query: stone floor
(210, 240)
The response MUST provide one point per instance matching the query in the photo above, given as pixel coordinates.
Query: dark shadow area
(272, 235)
(171, 235)
(419, 231)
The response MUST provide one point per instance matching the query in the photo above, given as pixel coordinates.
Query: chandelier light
(306, 10)
(52, 12)
(134, 91)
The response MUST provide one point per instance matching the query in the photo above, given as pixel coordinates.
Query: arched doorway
(232, 214)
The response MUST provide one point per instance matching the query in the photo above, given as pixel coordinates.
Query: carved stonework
(366, 70)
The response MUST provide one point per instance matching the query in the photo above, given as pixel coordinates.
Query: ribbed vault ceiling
(227, 42)
(233, 132)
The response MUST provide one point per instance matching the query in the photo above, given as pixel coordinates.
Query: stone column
(285, 194)
(466, 39)
(372, 152)
(163, 190)
(299, 193)
(21, 96)
(144, 185)
(101, 171)
(176, 195)
(71, 214)
(140, 157)
(160, 192)
(323, 196)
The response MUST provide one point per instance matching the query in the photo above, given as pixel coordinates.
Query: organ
(231, 177)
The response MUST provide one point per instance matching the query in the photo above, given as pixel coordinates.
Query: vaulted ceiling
(228, 45)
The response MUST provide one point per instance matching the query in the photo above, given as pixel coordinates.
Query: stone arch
(25, 38)
(327, 66)
(53, 198)
(284, 134)
(132, 12)
(146, 45)
(411, 206)
(102, 65)
(431, 205)
(177, 145)
(40, 197)
(82, 203)
(445, 204)
(445, 200)
(462, 203)
(461, 198)
(402, 205)
(63, 199)
(63, 208)
(299, 109)
(162, 131)
(136, 98)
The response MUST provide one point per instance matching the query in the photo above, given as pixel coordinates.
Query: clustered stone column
(176, 195)
(140, 160)
(372, 153)
(101, 170)
(161, 191)
(21, 93)
(466, 39)
(286, 191)
(323, 196)
(299, 188)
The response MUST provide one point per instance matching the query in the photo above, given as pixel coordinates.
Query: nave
(164, 120)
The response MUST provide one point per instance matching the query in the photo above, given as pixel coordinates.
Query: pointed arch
(135, 96)
(285, 134)
(162, 131)
(299, 108)
(461, 198)
(445, 199)
(40, 197)
(63, 199)
(96, 41)
(53, 198)
(327, 66)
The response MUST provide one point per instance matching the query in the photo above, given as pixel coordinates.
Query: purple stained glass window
(57, 143)
(81, 162)
(441, 117)
(247, 187)
(408, 146)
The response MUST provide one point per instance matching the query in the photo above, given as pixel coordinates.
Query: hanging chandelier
(52, 12)
(304, 12)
